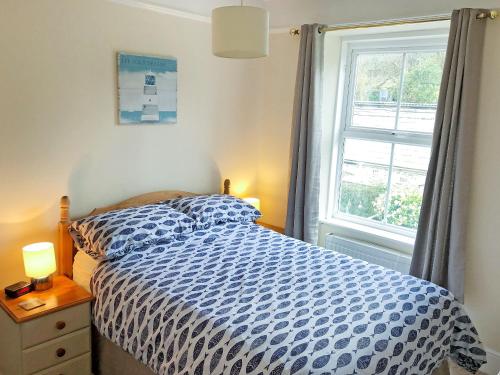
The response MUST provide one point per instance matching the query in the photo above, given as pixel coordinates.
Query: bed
(237, 298)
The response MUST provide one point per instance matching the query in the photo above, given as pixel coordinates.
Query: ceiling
(286, 13)
(203, 7)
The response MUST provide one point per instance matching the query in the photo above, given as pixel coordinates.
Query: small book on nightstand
(31, 304)
(51, 334)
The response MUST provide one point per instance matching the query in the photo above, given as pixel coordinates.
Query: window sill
(393, 241)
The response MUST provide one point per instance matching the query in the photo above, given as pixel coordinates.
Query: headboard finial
(65, 249)
(227, 186)
(64, 207)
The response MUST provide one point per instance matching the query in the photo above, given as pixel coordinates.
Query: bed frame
(66, 250)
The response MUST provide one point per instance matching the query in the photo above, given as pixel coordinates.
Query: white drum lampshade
(39, 264)
(240, 32)
(253, 201)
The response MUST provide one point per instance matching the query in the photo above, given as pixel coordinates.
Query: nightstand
(272, 227)
(53, 339)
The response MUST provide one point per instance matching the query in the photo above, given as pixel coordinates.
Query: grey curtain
(303, 194)
(440, 243)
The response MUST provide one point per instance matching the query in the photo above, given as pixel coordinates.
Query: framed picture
(147, 89)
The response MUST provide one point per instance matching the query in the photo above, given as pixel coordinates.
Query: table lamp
(253, 201)
(39, 264)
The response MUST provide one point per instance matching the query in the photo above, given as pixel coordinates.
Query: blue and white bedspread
(240, 299)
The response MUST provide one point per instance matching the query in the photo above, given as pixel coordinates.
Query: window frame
(351, 49)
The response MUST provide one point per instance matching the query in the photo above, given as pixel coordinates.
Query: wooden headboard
(66, 250)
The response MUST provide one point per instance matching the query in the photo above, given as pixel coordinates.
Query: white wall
(275, 89)
(482, 284)
(58, 124)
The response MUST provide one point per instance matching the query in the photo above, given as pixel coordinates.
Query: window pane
(363, 190)
(376, 90)
(367, 151)
(422, 78)
(414, 157)
(365, 178)
(407, 184)
(365, 172)
(405, 198)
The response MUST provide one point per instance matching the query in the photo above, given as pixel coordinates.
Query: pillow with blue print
(115, 233)
(209, 210)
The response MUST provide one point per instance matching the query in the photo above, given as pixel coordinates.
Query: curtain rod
(492, 14)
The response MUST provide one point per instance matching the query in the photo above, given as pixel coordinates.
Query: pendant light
(240, 32)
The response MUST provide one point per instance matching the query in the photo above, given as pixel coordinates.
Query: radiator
(369, 253)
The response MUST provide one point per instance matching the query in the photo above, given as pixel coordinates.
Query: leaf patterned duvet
(240, 299)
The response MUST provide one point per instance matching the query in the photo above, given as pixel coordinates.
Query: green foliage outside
(404, 210)
(423, 78)
(368, 202)
(360, 200)
(377, 77)
(378, 73)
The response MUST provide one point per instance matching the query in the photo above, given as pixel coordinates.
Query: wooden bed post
(65, 248)
(227, 186)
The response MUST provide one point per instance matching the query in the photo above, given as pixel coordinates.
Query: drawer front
(76, 366)
(54, 325)
(56, 351)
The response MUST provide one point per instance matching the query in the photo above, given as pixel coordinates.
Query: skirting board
(493, 365)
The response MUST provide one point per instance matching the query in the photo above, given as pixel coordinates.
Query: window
(385, 132)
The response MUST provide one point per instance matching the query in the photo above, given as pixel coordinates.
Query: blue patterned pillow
(208, 210)
(113, 234)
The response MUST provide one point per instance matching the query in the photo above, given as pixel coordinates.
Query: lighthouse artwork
(150, 109)
(147, 87)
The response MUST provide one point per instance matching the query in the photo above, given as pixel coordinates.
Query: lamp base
(42, 284)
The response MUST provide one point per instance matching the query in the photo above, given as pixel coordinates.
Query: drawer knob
(60, 352)
(60, 325)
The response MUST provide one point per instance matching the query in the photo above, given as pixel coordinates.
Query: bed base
(116, 361)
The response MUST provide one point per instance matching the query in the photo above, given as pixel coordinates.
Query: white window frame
(357, 227)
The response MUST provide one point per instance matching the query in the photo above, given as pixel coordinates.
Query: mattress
(83, 268)
(237, 298)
